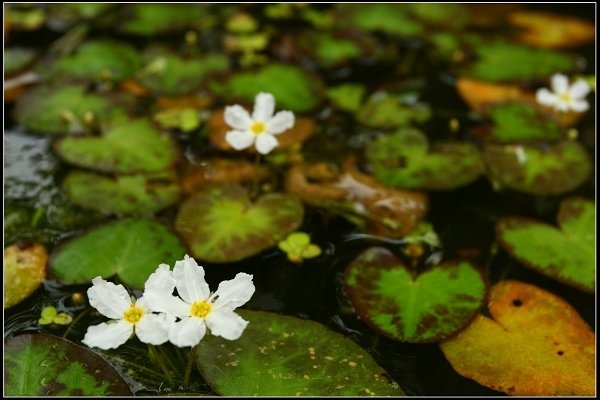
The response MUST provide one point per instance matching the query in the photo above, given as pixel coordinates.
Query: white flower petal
(189, 279)
(187, 332)
(108, 335)
(154, 328)
(559, 83)
(546, 97)
(240, 140)
(226, 324)
(237, 117)
(562, 106)
(265, 142)
(154, 301)
(264, 107)
(109, 299)
(280, 122)
(235, 292)
(579, 89)
(161, 281)
(579, 105)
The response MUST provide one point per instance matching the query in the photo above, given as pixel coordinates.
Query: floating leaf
(24, 271)
(405, 159)
(567, 255)
(16, 59)
(285, 356)
(298, 247)
(73, 12)
(543, 170)
(50, 316)
(448, 16)
(389, 18)
(130, 248)
(293, 88)
(535, 345)
(156, 19)
(427, 308)
(125, 146)
(330, 50)
(46, 365)
(184, 119)
(127, 194)
(499, 61)
(220, 170)
(347, 97)
(383, 110)
(61, 110)
(221, 225)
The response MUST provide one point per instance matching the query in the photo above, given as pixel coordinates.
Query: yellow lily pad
(535, 344)
(24, 271)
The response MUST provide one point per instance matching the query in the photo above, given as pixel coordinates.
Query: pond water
(220, 55)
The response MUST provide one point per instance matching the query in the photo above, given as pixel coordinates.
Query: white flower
(564, 97)
(259, 128)
(197, 308)
(130, 316)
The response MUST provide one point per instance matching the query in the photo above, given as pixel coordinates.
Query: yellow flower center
(201, 309)
(565, 97)
(133, 314)
(257, 127)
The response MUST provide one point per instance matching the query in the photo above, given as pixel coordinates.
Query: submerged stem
(254, 190)
(188, 368)
(75, 320)
(158, 359)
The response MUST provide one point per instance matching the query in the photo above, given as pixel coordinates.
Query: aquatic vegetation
(565, 97)
(298, 247)
(24, 271)
(50, 315)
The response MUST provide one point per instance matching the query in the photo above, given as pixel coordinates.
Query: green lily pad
(24, 271)
(127, 194)
(405, 159)
(62, 110)
(566, 254)
(330, 50)
(542, 170)
(427, 308)
(16, 59)
(46, 365)
(394, 19)
(522, 122)
(157, 19)
(279, 355)
(449, 16)
(221, 225)
(98, 60)
(500, 61)
(125, 146)
(347, 97)
(293, 88)
(383, 110)
(73, 12)
(170, 74)
(129, 248)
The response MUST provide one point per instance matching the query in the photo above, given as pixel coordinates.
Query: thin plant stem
(158, 359)
(75, 320)
(140, 367)
(254, 191)
(188, 368)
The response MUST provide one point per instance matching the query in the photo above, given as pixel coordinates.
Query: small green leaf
(62, 319)
(347, 97)
(522, 122)
(185, 119)
(330, 50)
(297, 246)
(394, 19)
(157, 19)
(129, 248)
(16, 58)
(383, 110)
(47, 315)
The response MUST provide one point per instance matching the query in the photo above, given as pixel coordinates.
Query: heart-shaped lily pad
(389, 18)
(157, 19)
(285, 356)
(543, 170)
(427, 308)
(221, 224)
(46, 365)
(567, 255)
(501, 61)
(62, 110)
(405, 159)
(126, 194)
(125, 146)
(383, 110)
(98, 60)
(535, 344)
(24, 271)
(293, 88)
(130, 248)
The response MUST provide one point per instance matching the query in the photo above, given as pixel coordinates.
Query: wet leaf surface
(157, 19)
(46, 365)
(559, 360)
(428, 307)
(220, 170)
(566, 254)
(221, 224)
(286, 356)
(24, 271)
(383, 110)
(129, 248)
(389, 18)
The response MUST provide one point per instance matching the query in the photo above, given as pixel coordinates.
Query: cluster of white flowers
(159, 316)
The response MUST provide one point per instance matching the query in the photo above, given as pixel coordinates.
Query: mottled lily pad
(534, 344)
(389, 18)
(98, 60)
(542, 170)
(24, 271)
(125, 146)
(500, 61)
(279, 355)
(383, 110)
(293, 88)
(16, 59)
(61, 110)
(156, 19)
(567, 255)
(129, 248)
(221, 224)
(126, 194)
(46, 365)
(425, 308)
(405, 159)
